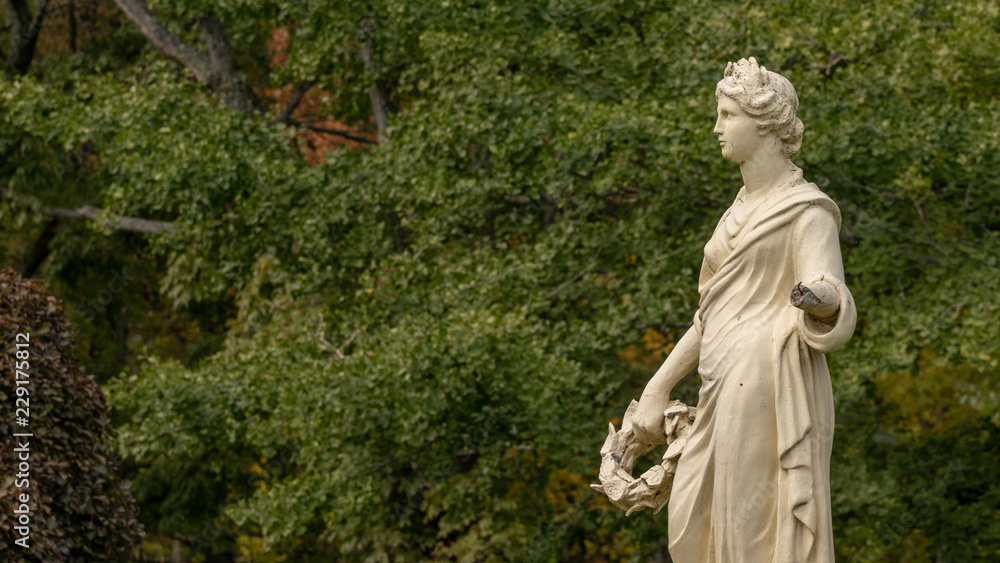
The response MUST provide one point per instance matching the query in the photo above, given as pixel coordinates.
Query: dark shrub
(79, 509)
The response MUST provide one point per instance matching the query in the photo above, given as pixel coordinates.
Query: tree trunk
(218, 69)
(379, 92)
(24, 30)
(224, 76)
(40, 250)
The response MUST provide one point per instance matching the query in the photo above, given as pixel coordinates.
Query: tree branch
(379, 92)
(848, 238)
(24, 31)
(90, 213)
(161, 37)
(218, 70)
(286, 114)
(329, 131)
(40, 250)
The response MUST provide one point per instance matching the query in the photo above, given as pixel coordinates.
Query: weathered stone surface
(747, 479)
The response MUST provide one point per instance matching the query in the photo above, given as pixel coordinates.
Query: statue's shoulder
(813, 199)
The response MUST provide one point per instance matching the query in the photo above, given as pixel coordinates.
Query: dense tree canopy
(394, 265)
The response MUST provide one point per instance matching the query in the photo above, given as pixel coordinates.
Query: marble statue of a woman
(753, 481)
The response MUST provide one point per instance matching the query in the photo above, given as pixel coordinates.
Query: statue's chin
(729, 157)
(727, 152)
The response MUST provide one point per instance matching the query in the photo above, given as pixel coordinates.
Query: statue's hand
(647, 424)
(622, 447)
(819, 299)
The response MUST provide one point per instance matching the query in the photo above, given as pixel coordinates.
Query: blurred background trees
(390, 267)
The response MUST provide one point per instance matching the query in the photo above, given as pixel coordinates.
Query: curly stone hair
(766, 96)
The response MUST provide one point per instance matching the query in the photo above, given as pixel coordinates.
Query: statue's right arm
(648, 417)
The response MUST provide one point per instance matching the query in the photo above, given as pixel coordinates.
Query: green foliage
(423, 341)
(78, 508)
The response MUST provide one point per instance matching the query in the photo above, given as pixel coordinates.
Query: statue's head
(766, 97)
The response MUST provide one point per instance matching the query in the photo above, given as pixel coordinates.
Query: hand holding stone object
(652, 488)
(647, 424)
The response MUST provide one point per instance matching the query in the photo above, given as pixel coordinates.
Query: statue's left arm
(828, 312)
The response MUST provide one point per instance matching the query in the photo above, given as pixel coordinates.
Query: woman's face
(737, 131)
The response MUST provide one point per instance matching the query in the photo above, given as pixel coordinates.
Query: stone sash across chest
(750, 256)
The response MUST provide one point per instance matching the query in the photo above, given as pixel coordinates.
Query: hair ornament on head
(766, 96)
(750, 71)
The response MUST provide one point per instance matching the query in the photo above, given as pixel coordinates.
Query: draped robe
(753, 482)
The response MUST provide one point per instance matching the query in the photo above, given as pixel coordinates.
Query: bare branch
(168, 43)
(340, 351)
(848, 238)
(218, 69)
(379, 92)
(24, 30)
(90, 213)
(40, 250)
(36, 24)
(286, 114)
(329, 131)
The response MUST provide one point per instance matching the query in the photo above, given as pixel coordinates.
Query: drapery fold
(753, 482)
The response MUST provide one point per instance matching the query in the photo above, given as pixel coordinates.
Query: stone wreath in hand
(621, 449)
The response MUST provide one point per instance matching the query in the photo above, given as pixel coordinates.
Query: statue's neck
(765, 172)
